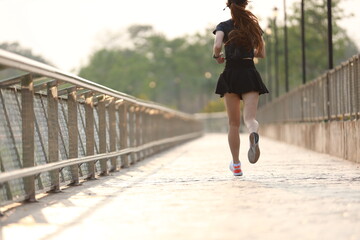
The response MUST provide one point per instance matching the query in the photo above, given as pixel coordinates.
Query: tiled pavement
(189, 193)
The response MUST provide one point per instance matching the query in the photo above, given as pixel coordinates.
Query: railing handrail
(22, 63)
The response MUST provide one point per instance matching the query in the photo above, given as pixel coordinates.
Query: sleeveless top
(240, 75)
(232, 52)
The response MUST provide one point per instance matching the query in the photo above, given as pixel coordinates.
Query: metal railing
(333, 96)
(57, 128)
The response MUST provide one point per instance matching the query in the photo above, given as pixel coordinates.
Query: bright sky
(67, 31)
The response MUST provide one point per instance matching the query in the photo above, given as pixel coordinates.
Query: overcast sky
(67, 31)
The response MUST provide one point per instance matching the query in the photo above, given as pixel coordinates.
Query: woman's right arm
(218, 44)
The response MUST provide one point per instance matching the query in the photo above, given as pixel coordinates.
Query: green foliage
(118, 69)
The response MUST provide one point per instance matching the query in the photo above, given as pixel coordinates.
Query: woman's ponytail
(247, 32)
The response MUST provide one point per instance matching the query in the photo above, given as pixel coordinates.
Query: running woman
(242, 37)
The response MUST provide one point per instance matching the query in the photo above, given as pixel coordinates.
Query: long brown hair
(247, 32)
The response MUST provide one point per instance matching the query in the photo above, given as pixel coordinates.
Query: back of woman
(242, 37)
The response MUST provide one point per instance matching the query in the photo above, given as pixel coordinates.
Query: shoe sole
(254, 151)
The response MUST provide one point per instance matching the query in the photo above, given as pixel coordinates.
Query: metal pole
(73, 133)
(330, 41)
(303, 42)
(53, 133)
(132, 126)
(138, 130)
(89, 132)
(286, 50)
(269, 61)
(124, 131)
(102, 134)
(112, 133)
(28, 134)
(276, 55)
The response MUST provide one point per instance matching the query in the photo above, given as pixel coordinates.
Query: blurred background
(161, 50)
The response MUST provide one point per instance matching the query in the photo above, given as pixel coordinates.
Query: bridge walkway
(189, 193)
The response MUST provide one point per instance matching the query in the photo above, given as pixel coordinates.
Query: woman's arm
(218, 44)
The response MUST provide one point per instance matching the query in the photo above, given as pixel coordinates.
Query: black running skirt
(240, 77)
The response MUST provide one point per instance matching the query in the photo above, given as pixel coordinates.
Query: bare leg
(250, 107)
(251, 100)
(232, 102)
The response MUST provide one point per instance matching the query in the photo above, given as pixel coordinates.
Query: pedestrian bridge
(97, 163)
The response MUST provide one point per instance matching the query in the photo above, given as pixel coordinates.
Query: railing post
(112, 133)
(132, 126)
(162, 129)
(357, 86)
(89, 132)
(28, 117)
(150, 130)
(328, 99)
(146, 130)
(53, 133)
(123, 112)
(156, 124)
(353, 88)
(138, 128)
(73, 133)
(102, 135)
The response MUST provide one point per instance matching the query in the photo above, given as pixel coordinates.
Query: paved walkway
(189, 193)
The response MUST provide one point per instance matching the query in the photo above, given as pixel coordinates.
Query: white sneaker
(236, 169)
